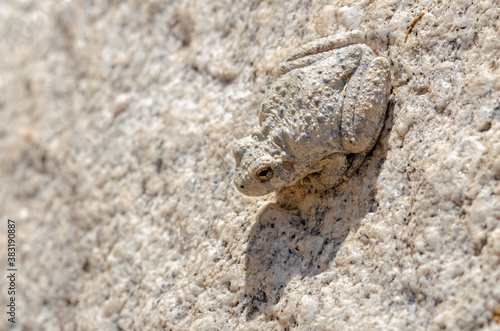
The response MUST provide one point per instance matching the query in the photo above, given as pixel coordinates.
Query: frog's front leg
(365, 103)
(332, 174)
(317, 50)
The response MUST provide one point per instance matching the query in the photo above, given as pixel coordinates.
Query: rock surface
(116, 125)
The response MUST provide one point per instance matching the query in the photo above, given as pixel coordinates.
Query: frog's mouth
(251, 187)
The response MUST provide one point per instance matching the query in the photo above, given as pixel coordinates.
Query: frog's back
(307, 108)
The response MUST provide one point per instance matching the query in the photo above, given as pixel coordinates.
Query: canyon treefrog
(318, 120)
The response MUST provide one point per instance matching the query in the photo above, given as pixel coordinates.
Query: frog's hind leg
(365, 103)
(315, 51)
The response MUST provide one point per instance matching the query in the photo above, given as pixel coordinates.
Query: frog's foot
(365, 103)
(317, 50)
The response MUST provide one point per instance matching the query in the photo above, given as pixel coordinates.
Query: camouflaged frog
(318, 120)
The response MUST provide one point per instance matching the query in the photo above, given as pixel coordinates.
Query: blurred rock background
(116, 125)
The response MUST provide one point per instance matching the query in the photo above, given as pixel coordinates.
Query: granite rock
(117, 120)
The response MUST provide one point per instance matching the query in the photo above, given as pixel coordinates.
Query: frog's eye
(265, 173)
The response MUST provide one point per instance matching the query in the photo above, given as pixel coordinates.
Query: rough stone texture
(116, 125)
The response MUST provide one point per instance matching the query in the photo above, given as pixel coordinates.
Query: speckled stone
(117, 121)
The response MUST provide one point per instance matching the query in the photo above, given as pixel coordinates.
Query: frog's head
(261, 166)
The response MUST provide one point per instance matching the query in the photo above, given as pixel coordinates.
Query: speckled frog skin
(318, 120)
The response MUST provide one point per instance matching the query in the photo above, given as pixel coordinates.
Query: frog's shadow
(302, 233)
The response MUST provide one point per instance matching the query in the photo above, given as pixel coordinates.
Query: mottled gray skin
(318, 120)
